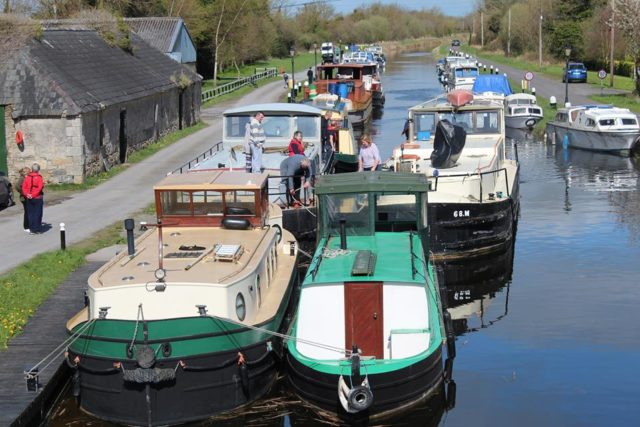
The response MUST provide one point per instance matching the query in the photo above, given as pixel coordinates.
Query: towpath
(546, 86)
(87, 212)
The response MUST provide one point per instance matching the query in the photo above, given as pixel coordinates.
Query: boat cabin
(598, 118)
(521, 103)
(237, 200)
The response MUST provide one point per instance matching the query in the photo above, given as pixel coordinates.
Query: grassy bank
(24, 288)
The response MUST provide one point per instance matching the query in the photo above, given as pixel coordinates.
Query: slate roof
(160, 33)
(75, 71)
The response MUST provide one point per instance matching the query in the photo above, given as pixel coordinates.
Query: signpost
(602, 74)
(528, 76)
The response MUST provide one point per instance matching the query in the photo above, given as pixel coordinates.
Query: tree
(628, 21)
(224, 15)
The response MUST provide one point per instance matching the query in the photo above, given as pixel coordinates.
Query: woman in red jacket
(32, 187)
(296, 146)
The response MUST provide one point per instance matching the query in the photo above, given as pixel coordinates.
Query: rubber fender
(448, 369)
(244, 379)
(565, 141)
(236, 223)
(451, 345)
(237, 210)
(360, 398)
(75, 383)
(451, 395)
(145, 356)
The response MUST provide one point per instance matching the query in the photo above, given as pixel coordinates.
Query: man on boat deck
(292, 169)
(257, 139)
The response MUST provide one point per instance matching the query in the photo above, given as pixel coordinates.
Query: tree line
(584, 25)
(230, 33)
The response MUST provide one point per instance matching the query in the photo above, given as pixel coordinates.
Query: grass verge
(24, 288)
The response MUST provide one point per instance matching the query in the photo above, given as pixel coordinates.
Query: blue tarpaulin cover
(492, 83)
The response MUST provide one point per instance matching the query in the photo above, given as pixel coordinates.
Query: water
(548, 332)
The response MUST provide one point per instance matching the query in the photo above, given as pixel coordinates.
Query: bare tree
(226, 18)
(628, 21)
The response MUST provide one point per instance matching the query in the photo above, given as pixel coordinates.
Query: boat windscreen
(466, 72)
(309, 126)
(474, 122)
(353, 208)
(235, 126)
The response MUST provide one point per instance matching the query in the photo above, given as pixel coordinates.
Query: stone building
(82, 105)
(167, 34)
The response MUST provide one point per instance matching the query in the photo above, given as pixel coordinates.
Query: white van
(327, 52)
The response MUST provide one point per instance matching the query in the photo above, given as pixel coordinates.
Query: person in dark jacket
(32, 189)
(296, 146)
(6, 192)
(292, 169)
(310, 75)
(25, 217)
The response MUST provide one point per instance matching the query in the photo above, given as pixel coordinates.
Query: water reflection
(473, 286)
(519, 134)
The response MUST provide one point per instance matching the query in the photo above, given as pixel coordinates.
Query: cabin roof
(372, 182)
(213, 180)
(275, 107)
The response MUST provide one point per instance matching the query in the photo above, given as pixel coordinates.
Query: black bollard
(63, 237)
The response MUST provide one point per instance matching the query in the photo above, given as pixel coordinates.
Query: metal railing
(481, 176)
(210, 152)
(237, 84)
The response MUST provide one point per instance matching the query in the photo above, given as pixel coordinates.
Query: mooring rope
(285, 336)
(135, 330)
(74, 336)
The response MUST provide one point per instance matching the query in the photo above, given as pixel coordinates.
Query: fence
(237, 84)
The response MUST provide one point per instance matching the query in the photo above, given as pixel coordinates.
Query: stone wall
(55, 143)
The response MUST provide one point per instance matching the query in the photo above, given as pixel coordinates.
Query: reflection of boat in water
(185, 324)
(515, 134)
(472, 285)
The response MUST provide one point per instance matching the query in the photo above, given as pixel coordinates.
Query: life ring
(530, 123)
(19, 137)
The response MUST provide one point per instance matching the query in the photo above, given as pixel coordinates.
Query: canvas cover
(447, 145)
(492, 83)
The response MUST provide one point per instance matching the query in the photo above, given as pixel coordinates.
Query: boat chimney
(128, 225)
(343, 234)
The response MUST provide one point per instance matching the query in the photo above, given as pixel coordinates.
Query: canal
(547, 331)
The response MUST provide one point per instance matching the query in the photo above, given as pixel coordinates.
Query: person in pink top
(32, 187)
(369, 156)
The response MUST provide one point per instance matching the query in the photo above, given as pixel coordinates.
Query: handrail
(237, 84)
(184, 168)
(480, 174)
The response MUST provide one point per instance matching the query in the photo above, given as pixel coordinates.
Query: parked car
(455, 42)
(575, 72)
(327, 52)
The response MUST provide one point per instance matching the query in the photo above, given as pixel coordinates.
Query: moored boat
(182, 325)
(368, 332)
(355, 81)
(458, 141)
(600, 128)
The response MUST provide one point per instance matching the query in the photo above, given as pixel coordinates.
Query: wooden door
(363, 317)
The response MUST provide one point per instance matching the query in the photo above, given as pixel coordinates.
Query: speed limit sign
(528, 76)
(602, 74)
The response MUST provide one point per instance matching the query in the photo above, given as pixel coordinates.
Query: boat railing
(278, 190)
(210, 152)
(481, 175)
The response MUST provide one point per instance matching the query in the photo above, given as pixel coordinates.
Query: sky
(448, 7)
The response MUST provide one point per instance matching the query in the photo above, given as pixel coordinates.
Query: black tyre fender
(360, 398)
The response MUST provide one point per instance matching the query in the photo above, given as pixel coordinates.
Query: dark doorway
(363, 317)
(3, 143)
(123, 136)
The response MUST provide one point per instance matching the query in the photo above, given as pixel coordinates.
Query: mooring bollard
(63, 237)
(553, 102)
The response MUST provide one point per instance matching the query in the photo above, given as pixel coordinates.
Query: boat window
(466, 72)
(277, 126)
(486, 122)
(175, 202)
(207, 203)
(607, 122)
(309, 126)
(240, 202)
(397, 209)
(353, 208)
(424, 124)
(535, 111)
(629, 121)
(519, 110)
(591, 122)
(235, 125)
(561, 117)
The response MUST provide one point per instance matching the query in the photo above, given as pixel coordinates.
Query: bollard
(289, 97)
(533, 91)
(63, 237)
(552, 102)
(497, 71)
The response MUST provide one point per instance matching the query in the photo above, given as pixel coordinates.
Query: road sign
(602, 74)
(528, 76)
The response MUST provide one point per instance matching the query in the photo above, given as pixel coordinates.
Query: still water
(548, 331)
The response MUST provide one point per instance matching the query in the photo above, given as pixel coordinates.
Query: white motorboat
(601, 128)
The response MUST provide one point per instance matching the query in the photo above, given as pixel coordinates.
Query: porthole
(127, 278)
(241, 308)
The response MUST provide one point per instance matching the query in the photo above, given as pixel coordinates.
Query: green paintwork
(393, 265)
(393, 260)
(370, 182)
